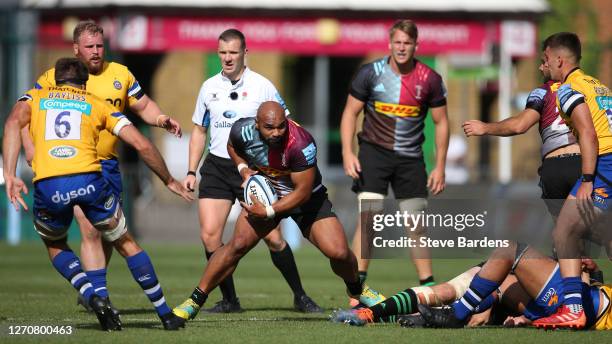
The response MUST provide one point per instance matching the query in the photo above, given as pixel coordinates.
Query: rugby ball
(261, 188)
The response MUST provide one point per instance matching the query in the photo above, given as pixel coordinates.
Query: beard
(275, 142)
(94, 67)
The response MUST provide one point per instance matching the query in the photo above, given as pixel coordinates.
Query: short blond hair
(405, 25)
(89, 26)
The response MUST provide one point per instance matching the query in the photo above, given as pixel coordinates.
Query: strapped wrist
(191, 173)
(157, 120)
(270, 213)
(241, 166)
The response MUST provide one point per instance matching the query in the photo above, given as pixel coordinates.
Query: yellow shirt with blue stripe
(580, 88)
(65, 126)
(604, 321)
(116, 85)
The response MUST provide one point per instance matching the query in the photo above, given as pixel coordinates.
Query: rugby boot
(187, 310)
(353, 317)
(440, 317)
(81, 302)
(107, 319)
(225, 306)
(305, 304)
(567, 316)
(172, 322)
(411, 320)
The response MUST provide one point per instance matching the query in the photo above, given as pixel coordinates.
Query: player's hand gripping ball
(261, 188)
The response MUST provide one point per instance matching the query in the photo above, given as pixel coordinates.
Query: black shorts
(316, 208)
(220, 179)
(558, 175)
(380, 166)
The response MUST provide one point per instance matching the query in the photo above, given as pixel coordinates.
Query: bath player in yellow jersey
(115, 84)
(586, 106)
(65, 122)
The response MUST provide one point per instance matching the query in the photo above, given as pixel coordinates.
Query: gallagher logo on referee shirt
(397, 110)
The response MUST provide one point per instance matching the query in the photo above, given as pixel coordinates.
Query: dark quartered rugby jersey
(553, 130)
(298, 153)
(396, 105)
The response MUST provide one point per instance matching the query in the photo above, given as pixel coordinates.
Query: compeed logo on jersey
(63, 104)
(63, 152)
(604, 102)
(397, 110)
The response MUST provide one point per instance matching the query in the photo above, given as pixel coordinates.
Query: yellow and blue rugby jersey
(581, 88)
(605, 320)
(117, 86)
(65, 126)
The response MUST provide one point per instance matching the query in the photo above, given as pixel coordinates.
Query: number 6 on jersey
(63, 125)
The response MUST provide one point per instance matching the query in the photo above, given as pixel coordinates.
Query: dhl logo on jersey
(397, 110)
(272, 172)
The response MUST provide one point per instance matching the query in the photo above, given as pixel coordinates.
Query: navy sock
(98, 280)
(572, 291)
(285, 263)
(142, 270)
(485, 304)
(69, 266)
(479, 289)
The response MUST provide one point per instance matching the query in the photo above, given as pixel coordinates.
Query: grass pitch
(32, 293)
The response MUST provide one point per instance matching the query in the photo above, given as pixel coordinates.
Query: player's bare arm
(11, 144)
(151, 156)
(436, 181)
(150, 112)
(241, 164)
(28, 145)
(347, 132)
(589, 145)
(515, 125)
(196, 149)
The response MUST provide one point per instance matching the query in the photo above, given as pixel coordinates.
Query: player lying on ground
(285, 153)
(540, 279)
(65, 124)
(399, 307)
(405, 302)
